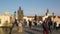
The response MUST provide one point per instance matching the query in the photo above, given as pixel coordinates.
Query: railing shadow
(4, 29)
(36, 30)
(29, 32)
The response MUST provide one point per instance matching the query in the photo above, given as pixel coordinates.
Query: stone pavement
(33, 30)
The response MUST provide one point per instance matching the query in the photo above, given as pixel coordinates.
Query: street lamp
(15, 15)
(53, 16)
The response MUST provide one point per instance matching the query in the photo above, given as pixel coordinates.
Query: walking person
(45, 27)
(20, 27)
(15, 23)
(30, 24)
(50, 26)
(35, 20)
(49, 23)
(35, 23)
(55, 25)
(25, 22)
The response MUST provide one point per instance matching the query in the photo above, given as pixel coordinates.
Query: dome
(6, 12)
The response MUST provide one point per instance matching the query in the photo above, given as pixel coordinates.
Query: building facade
(4, 19)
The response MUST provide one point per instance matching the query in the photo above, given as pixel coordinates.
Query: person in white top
(20, 28)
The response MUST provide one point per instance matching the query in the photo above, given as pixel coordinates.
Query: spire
(47, 11)
(15, 12)
(19, 8)
(53, 13)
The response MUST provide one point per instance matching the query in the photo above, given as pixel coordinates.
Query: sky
(30, 7)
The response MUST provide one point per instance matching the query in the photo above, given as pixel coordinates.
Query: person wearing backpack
(45, 27)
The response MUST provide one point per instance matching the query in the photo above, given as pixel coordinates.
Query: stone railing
(5, 28)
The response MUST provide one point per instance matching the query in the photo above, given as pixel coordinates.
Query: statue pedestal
(5, 29)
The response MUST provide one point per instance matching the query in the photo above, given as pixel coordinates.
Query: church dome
(6, 12)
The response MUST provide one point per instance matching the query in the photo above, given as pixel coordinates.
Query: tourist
(30, 23)
(20, 27)
(49, 23)
(40, 23)
(55, 25)
(25, 22)
(35, 23)
(50, 26)
(45, 27)
(15, 23)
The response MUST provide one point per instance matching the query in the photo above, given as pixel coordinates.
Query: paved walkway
(33, 30)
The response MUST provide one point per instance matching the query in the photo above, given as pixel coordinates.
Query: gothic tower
(48, 13)
(20, 14)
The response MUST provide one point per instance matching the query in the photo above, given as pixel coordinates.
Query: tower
(48, 13)
(20, 14)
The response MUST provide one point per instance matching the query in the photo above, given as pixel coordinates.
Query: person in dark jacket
(30, 23)
(49, 24)
(45, 27)
(15, 23)
(55, 25)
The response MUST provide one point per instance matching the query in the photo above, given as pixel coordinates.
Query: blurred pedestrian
(49, 23)
(55, 25)
(30, 23)
(15, 23)
(45, 27)
(20, 27)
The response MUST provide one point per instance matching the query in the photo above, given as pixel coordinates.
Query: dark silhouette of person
(59, 26)
(35, 23)
(25, 22)
(35, 18)
(30, 23)
(55, 25)
(15, 23)
(45, 27)
(49, 23)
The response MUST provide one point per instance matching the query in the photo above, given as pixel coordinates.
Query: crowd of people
(47, 25)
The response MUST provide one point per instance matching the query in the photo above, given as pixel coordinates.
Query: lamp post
(53, 16)
(15, 15)
(53, 19)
